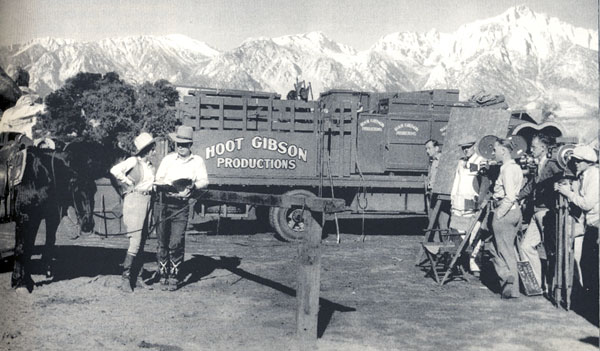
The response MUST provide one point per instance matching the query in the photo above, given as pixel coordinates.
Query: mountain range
(534, 60)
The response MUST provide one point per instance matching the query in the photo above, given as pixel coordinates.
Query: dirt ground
(239, 294)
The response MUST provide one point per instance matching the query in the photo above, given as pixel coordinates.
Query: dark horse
(52, 181)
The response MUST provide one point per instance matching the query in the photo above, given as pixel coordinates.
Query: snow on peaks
(316, 41)
(186, 43)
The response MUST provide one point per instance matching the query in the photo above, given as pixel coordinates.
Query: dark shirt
(541, 185)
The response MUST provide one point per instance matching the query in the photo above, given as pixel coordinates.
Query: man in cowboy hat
(136, 173)
(464, 195)
(586, 196)
(179, 173)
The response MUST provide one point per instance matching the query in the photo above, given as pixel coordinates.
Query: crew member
(136, 174)
(587, 197)
(181, 172)
(541, 228)
(506, 218)
(464, 196)
(432, 147)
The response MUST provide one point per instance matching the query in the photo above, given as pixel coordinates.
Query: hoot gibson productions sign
(287, 153)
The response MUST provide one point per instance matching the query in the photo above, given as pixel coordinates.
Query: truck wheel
(289, 223)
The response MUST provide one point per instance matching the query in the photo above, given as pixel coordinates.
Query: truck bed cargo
(338, 146)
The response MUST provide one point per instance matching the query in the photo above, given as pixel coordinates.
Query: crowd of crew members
(523, 211)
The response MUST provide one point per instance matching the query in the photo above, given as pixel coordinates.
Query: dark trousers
(589, 260)
(172, 218)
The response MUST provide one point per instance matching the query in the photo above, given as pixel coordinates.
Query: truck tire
(288, 223)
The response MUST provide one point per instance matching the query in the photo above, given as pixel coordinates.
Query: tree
(109, 110)
(156, 105)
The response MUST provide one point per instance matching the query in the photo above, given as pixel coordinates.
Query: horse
(51, 182)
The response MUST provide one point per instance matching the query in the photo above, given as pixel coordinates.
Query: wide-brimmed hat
(142, 141)
(184, 134)
(585, 152)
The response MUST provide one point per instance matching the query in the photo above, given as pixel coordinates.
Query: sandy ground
(239, 294)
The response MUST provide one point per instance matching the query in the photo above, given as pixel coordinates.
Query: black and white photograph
(327, 175)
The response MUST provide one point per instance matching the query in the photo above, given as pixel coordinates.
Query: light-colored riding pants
(135, 211)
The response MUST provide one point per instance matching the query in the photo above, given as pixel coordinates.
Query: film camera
(561, 152)
(485, 147)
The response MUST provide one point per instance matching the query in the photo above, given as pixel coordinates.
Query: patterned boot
(174, 276)
(163, 274)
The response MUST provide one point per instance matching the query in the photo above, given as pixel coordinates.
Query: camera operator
(506, 218)
(541, 229)
(586, 197)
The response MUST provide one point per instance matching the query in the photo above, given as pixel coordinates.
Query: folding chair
(443, 255)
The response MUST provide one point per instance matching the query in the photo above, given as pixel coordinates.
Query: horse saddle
(12, 170)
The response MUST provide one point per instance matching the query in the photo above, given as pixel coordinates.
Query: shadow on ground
(200, 266)
(404, 226)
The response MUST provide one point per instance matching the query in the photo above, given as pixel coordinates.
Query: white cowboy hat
(142, 141)
(586, 153)
(184, 134)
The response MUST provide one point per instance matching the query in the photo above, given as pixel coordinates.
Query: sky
(226, 24)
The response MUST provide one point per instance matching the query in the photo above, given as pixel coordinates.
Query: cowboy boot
(173, 281)
(136, 272)
(163, 274)
(126, 276)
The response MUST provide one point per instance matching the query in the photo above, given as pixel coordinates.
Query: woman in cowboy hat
(136, 173)
(180, 173)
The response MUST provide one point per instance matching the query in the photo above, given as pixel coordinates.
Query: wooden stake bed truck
(365, 148)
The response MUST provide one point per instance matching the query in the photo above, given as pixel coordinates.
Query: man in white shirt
(464, 196)
(178, 175)
(136, 174)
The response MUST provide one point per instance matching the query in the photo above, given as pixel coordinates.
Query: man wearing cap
(184, 172)
(587, 198)
(541, 228)
(136, 174)
(506, 218)
(464, 195)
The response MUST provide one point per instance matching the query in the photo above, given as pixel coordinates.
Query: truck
(364, 147)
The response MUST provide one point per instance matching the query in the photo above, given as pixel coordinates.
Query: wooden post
(104, 215)
(309, 284)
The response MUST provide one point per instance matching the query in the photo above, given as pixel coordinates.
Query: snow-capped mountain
(535, 60)
(137, 59)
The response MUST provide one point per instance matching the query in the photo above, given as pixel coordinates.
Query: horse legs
(48, 255)
(25, 232)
